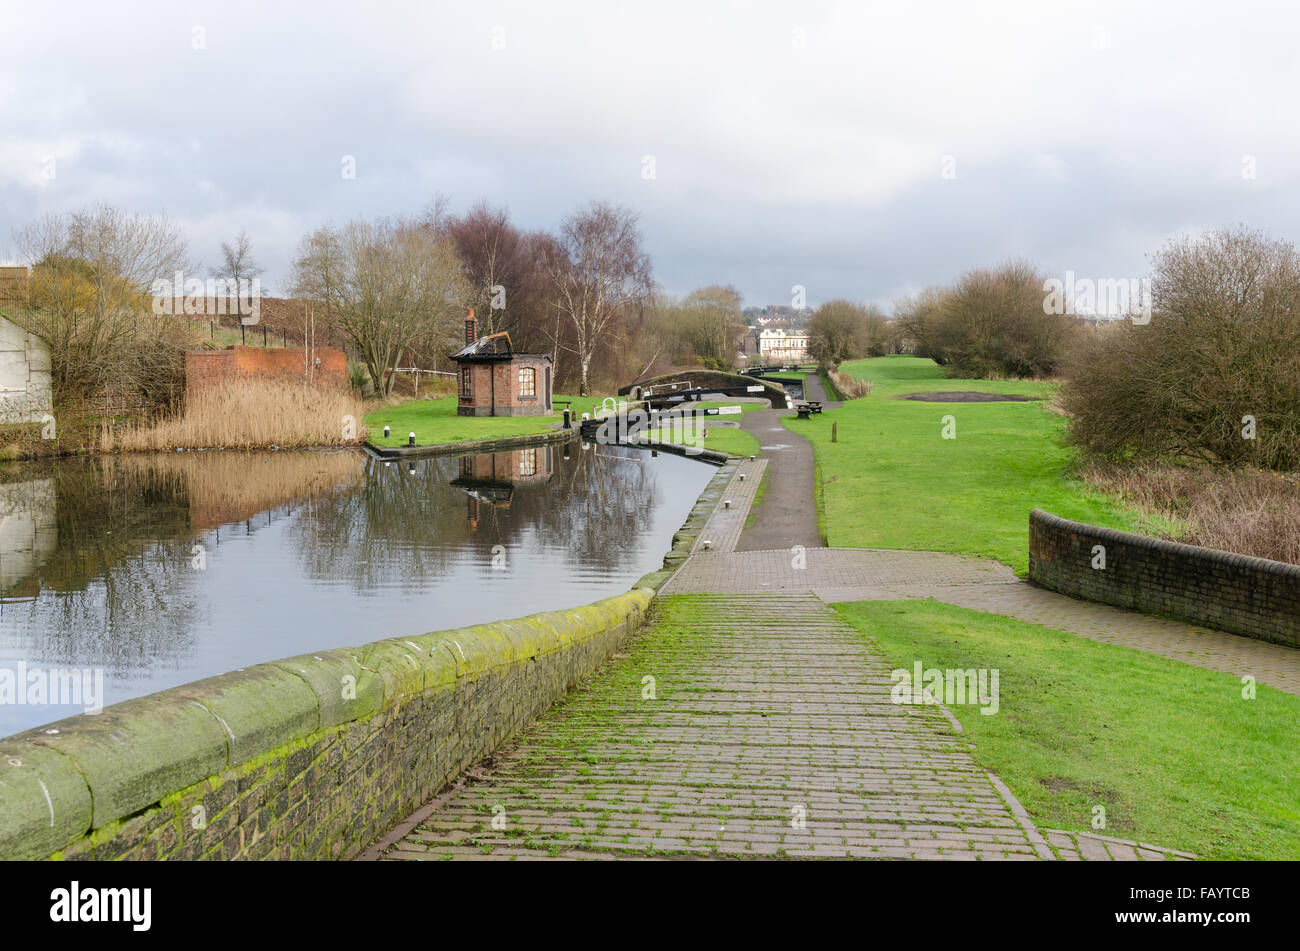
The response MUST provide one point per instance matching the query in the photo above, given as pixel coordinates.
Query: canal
(160, 570)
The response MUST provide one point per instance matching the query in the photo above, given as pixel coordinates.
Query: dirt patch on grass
(960, 396)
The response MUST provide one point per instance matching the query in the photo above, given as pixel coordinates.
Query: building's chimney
(471, 334)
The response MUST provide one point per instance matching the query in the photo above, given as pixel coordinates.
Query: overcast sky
(860, 150)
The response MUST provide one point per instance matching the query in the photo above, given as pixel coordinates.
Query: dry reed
(1247, 511)
(250, 414)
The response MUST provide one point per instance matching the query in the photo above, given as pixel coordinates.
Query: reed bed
(250, 414)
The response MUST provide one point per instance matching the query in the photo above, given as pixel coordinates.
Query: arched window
(527, 381)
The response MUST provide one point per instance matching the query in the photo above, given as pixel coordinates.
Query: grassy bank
(718, 438)
(892, 481)
(1173, 753)
(435, 422)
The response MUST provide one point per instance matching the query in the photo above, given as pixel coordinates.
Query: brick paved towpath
(770, 733)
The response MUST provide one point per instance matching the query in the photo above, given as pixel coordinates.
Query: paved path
(849, 574)
(788, 513)
(771, 733)
(723, 529)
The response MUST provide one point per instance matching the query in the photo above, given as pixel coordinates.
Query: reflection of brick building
(491, 478)
(496, 381)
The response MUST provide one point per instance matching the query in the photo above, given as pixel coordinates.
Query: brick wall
(205, 368)
(1237, 593)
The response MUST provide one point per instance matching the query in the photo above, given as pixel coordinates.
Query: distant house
(497, 381)
(783, 345)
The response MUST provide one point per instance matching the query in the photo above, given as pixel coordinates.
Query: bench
(804, 411)
(815, 406)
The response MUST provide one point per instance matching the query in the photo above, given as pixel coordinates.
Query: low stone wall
(313, 757)
(1237, 593)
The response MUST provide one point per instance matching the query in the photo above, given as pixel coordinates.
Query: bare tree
(842, 330)
(390, 285)
(237, 260)
(598, 271)
(92, 275)
(492, 252)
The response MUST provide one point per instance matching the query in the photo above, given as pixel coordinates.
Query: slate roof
(492, 347)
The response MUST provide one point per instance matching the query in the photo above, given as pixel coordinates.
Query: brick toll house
(496, 381)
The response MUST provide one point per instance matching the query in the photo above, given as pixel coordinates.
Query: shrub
(846, 387)
(990, 324)
(1215, 375)
(842, 330)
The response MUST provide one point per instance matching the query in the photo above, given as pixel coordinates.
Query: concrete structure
(497, 381)
(783, 345)
(206, 368)
(25, 382)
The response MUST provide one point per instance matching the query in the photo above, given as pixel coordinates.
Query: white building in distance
(783, 346)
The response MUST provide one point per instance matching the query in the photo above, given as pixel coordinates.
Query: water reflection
(163, 569)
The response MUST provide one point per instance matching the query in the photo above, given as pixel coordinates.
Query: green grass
(1173, 752)
(895, 375)
(760, 494)
(435, 422)
(719, 438)
(892, 481)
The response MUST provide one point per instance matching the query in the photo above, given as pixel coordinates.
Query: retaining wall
(1237, 593)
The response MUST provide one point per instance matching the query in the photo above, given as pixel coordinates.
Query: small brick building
(496, 381)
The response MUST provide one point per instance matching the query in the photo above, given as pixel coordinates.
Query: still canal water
(164, 569)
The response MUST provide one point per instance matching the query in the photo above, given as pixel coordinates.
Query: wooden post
(834, 432)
